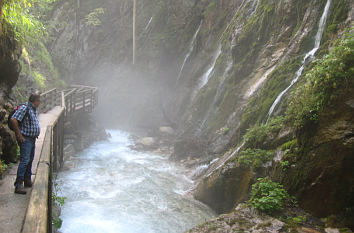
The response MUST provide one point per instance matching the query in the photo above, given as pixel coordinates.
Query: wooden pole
(134, 27)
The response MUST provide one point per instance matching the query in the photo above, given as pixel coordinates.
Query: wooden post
(83, 100)
(134, 28)
(71, 103)
(61, 140)
(63, 104)
(55, 148)
(91, 100)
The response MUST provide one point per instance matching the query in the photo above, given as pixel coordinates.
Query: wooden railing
(76, 98)
(49, 100)
(38, 218)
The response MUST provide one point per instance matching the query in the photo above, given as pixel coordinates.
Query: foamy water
(115, 189)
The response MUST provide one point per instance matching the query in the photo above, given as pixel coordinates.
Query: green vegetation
(28, 20)
(257, 108)
(256, 136)
(42, 59)
(93, 18)
(254, 158)
(322, 82)
(300, 11)
(57, 203)
(267, 196)
(210, 7)
(289, 145)
(3, 166)
(284, 165)
(39, 79)
(225, 130)
(57, 222)
(24, 20)
(338, 15)
(294, 222)
(58, 200)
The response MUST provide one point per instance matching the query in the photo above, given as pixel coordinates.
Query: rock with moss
(241, 219)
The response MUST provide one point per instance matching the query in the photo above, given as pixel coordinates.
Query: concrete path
(13, 206)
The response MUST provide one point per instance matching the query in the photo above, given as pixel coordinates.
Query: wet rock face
(9, 56)
(189, 147)
(224, 188)
(323, 176)
(242, 219)
(9, 70)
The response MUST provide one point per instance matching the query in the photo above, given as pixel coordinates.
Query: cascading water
(191, 48)
(223, 161)
(146, 27)
(255, 4)
(205, 78)
(200, 169)
(219, 91)
(308, 57)
(253, 9)
(113, 188)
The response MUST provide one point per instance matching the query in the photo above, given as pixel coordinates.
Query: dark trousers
(24, 170)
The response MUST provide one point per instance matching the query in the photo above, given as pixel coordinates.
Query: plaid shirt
(30, 125)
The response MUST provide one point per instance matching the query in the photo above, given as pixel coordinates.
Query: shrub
(93, 18)
(267, 196)
(27, 26)
(39, 79)
(255, 158)
(256, 136)
(328, 75)
(3, 166)
(289, 145)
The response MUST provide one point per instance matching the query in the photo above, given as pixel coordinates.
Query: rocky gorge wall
(212, 70)
(9, 70)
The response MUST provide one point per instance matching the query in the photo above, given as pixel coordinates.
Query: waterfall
(147, 26)
(205, 78)
(255, 4)
(191, 48)
(218, 93)
(227, 159)
(308, 57)
(200, 169)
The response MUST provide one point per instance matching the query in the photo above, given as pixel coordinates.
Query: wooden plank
(70, 92)
(48, 92)
(83, 86)
(36, 219)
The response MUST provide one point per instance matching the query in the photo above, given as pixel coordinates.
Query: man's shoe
(28, 183)
(20, 190)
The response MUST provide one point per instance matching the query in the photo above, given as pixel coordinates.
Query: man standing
(26, 126)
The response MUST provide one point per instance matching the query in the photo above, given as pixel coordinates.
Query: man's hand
(20, 138)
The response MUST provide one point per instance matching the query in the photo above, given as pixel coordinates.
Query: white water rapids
(113, 188)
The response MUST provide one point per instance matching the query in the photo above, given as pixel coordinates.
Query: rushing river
(115, 189)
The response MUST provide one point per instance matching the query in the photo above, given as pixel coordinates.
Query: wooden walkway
(21, 213)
